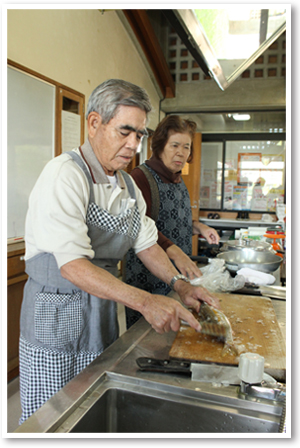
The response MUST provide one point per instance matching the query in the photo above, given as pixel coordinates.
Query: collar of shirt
(95, 167)
(164, 173)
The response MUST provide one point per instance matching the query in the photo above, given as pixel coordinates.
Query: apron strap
(129, 183)
(82, 165)
(155, 198)
(127, 178)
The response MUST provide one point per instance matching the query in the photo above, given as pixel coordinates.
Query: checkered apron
(175, 222)
(63, 329)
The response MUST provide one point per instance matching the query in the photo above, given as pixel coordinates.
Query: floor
(13, 395)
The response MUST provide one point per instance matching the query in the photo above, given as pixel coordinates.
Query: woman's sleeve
(143, 184)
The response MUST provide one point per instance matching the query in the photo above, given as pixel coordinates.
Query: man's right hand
(165, 314)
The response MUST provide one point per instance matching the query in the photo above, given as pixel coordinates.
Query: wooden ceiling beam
(143, 30)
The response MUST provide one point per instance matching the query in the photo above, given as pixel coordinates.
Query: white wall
(78, 48)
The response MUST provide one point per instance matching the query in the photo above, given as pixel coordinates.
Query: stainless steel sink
(112, 395)
(126, 405)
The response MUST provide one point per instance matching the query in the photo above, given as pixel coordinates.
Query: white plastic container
(251, 368)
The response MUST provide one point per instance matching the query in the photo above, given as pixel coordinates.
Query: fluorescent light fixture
(241, 117)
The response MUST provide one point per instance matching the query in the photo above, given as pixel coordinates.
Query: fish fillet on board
(256, 330)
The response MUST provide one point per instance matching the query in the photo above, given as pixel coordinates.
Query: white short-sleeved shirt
(56, 218)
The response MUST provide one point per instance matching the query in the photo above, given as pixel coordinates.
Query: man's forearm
(163, 313)
(100, 283)
(157, 261)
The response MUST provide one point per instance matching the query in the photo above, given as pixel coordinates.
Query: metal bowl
(251, 244)
(264, 261)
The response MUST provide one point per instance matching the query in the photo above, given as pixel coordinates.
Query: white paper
(70, 130)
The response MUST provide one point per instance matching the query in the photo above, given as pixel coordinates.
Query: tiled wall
(184, 68)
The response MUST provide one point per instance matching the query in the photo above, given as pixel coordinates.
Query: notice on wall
(214, 203)
(273, 199)
(228, 195)
(239, 197)
(259, 204)
(205, 196)
(208, 175)
(70, 130)
(259, 200)
(209, 195)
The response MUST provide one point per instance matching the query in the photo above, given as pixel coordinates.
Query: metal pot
(247, 243)
(264, 261)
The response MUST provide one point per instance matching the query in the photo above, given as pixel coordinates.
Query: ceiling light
(241, 117)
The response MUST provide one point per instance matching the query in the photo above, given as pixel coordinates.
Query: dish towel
(256, 277)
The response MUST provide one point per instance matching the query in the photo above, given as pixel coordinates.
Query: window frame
(223, 138)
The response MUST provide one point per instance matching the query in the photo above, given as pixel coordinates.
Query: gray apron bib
(62, 327)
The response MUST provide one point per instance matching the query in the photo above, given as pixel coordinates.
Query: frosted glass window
(211, 175)
(250, 178)
(254, 175)
(30, 141)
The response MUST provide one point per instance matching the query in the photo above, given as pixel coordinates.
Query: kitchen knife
(164, 365)
(209, 373)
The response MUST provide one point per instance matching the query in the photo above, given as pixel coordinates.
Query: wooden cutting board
(256, 330)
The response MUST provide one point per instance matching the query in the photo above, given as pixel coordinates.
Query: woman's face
(176, 152)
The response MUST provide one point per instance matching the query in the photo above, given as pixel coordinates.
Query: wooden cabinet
(16, 279)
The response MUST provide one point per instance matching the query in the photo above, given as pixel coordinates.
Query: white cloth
(256, 277)
(55, 221)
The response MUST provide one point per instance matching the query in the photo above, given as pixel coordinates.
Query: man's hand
(164, 314)
(192, 296)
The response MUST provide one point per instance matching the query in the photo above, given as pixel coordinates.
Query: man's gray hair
(113, 93)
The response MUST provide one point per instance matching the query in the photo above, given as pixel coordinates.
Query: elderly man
(84, 214)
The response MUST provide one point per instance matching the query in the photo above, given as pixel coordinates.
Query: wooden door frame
(192, 181)
(60, 91)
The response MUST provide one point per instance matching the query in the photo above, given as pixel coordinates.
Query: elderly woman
(172, 147)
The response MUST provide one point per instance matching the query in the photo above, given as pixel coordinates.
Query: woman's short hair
(113, 93)
(172, 124)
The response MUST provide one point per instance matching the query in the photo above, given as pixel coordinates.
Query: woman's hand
(210, 234)
(183, 262)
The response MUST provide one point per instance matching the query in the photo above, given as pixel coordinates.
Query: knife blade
(276, 292)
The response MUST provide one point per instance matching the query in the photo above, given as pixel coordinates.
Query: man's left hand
(192, 296)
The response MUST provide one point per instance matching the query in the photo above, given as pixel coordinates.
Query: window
(30, 141)
(44, 118)
(211, 175)
(242, 175)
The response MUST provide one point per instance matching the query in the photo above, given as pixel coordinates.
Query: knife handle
(164, 365)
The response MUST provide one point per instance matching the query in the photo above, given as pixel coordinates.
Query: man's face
(116, 142)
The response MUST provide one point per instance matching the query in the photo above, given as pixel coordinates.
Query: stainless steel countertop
(120, 358)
